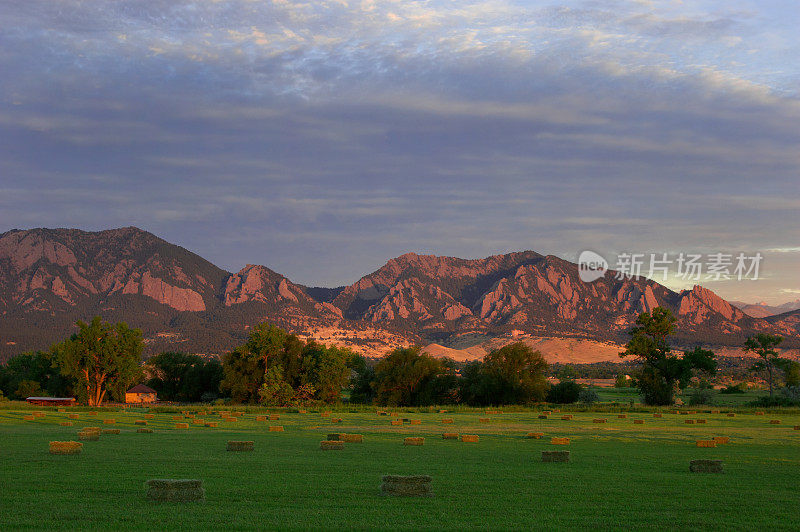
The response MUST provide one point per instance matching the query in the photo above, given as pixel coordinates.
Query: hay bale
(714, 412)
(599, 420)
(177, 418)
(442, 411)
(547, 412)
(274, 417)
(774, 421)
(65, 447)
(797, 427)
(567, 417)
(542, 416)
(66, 423)
(555, 456)
(29, 417)
(689, 422)
(483, 420)
(61, 410)
(415, 440)
(335, 436)
(416, 422)
(110, 431)
(721, 440)
(622, 416)
(211, 424)
(331, 445)
(149, 416)
(706, 466)
(237, 414)
(700, 421)
(109, 421)
(406, 486)
(759, 413)
(181, 425)
(535, 435)
(144, 431)
(396, 422)
(447, 421)
(352, 438)
(336, 420)
(469, 438)
(73, 416)
(276, 428)
(239, 446)
(730, 414)
(88, 436)
(198, 421)
(91, 413)
(450, 435)
(91, 429)
(302, 411)
(658, 415)
(706, 443)
(261, 418)
(39, 414)
(175, 490)
(229, 419)
(140, 422)
(559, 441)
(393, 414)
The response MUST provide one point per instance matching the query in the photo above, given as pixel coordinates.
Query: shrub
(564, 392)
(734, 388)
(588, 396)
(701, 396)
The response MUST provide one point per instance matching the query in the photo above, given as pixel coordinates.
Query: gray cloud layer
(322, 138)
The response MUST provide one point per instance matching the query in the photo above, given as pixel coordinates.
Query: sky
(323, 138)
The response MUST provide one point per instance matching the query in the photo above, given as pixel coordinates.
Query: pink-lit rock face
(177, 298)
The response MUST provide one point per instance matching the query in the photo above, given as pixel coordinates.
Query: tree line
(273, 367)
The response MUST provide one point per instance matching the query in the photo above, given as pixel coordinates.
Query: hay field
(620, 474)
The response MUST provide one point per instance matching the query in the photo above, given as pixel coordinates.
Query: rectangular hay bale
(535, 435)
(181, 425)
(234, 445)
(721, 440)
(73, 416)
(559, 441)
(406, 486)
(774, 421)
(706, 466)
(140, 422)
(706, 443)
(469, 438)
(276, 428)
(447, 421)
(396, 422)
(331, 445)
(211, 424)
(175, 490)
(555, 456)
(599, 420)
(65, 447)
(110, 431)
(352, 438)
(66, 423)
(144, 431)
(414, 440)
(638, 421)
(450, 435)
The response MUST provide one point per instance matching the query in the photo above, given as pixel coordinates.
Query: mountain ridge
(51, 277)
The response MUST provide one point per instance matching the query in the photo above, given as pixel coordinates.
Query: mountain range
(49, 278)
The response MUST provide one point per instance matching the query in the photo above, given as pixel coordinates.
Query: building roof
(141, 388)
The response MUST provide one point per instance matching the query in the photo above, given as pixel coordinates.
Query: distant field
(621, 475)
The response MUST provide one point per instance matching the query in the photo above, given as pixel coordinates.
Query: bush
(588, 396)
(701, 396)
(207, 397)
(564, 392)
(734, 388)
(791, 393)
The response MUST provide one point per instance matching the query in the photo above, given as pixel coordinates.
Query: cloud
(351, 132)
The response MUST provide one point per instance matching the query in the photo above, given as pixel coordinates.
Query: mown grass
(621, 475)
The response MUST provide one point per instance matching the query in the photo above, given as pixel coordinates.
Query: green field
(621, 475)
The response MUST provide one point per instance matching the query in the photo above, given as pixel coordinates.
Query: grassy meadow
(620, 475)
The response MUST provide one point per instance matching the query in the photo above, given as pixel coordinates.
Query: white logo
(591, 266)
